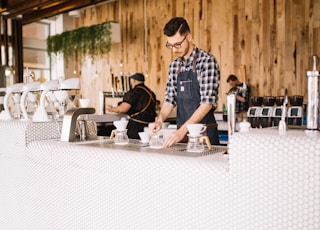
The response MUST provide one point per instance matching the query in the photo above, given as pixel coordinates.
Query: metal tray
(177, 149)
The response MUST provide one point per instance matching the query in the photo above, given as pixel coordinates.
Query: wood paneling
(272, 40)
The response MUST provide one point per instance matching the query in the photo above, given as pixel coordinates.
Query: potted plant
(90, 41)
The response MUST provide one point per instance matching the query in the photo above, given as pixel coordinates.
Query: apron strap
(194, 63)
(144, 109)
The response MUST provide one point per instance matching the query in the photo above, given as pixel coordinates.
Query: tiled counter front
(280, 177)
(58, 185)
(16, 132)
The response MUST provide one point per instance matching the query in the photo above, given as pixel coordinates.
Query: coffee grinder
(266, 112)
(277, 111)
(254, 111)
(295, 111)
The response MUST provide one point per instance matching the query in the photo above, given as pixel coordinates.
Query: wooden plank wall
(268, 44)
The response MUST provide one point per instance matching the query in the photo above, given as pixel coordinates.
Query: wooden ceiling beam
(35, 10)
(59, 9)
(15, 7)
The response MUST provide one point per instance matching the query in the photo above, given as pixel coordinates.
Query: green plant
(90, 41)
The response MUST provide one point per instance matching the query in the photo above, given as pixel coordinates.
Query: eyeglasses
(176, 45)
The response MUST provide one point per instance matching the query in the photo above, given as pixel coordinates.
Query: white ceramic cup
(244, 126)
(165, 124)
(84, 102)
(167, 132)
(196, 129)
(144, 137)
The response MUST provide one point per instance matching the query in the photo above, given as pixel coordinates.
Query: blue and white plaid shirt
(208, 74)
(243, 106)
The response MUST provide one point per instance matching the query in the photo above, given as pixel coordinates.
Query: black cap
(138, 77)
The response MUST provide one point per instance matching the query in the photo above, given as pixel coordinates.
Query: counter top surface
(267, 181)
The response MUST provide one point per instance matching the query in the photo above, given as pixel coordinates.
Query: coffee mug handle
(204, 128)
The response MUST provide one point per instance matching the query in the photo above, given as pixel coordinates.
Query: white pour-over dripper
(15, 88)
(29, 87)
(120, 134)
(40, 114)
(121, 124)
(196, 129)
(196, 138)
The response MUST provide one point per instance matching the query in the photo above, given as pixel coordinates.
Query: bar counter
(267, 181)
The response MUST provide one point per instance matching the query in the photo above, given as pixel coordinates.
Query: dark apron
(188, 100)
(134, 128)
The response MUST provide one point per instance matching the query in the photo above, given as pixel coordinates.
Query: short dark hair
(232, 77)
(138, 77)
(177, 24)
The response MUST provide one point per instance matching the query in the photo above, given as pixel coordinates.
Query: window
(35, 58)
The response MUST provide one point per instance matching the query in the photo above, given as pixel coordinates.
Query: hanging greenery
(90, 41)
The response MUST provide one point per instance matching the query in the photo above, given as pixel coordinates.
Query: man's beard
(182, 54)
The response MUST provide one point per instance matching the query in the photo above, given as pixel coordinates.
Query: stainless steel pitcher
(313, 96)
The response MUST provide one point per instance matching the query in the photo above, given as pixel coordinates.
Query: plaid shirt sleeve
(209, 78)
(171, 87)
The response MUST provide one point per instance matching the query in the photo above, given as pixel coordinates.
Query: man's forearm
(165, 111)
(199, 114)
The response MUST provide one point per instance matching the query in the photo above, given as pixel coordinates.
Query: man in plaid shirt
(192, 86)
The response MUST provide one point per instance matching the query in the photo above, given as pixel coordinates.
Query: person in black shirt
(139, 103)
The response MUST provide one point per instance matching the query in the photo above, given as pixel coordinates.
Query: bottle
(224, 112)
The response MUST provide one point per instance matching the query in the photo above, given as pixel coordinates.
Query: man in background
(139, 103)
(242, 92)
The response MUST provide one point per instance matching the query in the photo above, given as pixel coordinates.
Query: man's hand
(176, 136)
(155, 126)
(108, 108)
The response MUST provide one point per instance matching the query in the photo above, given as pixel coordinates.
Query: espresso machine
(15, 91)
(41, 113)
(27, 88)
